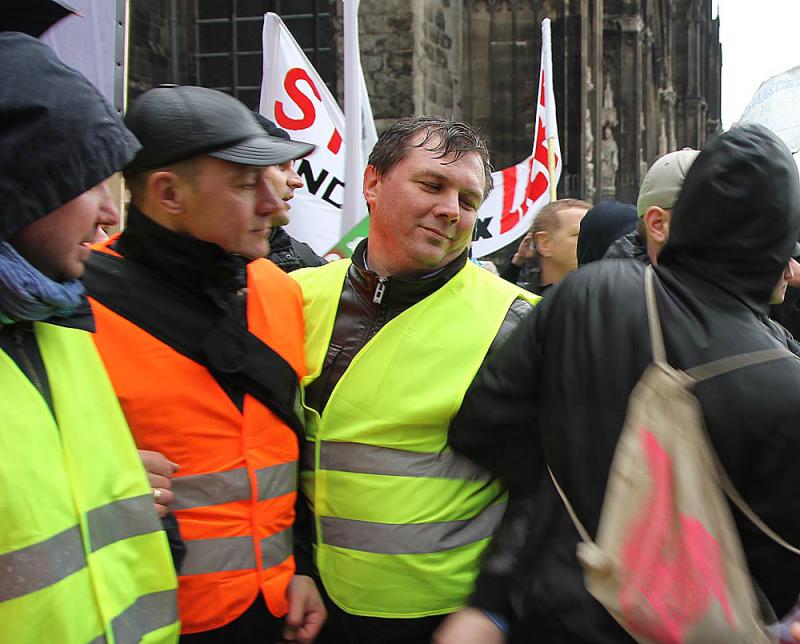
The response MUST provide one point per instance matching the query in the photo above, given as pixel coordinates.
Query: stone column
(630, 108)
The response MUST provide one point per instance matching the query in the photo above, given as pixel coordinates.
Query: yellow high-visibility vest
(82, 554)
(401, 520)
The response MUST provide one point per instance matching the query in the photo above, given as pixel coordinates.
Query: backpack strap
(571, 511)
(731, 363)
(653, 321)
(740, 503)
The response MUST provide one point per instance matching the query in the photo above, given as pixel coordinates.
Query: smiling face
(423, 210)
(58, 244)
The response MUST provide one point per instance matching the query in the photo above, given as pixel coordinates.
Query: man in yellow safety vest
(393, 340)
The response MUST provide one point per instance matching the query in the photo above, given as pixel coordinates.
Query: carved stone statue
(609, 114)
(588, 157)
(609, 164)
(608, 94)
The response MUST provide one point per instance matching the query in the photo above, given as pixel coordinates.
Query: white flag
(86, 41)
(775, 104)
(523, 189)
(295, 97)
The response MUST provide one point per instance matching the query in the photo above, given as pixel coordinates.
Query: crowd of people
(212, 435)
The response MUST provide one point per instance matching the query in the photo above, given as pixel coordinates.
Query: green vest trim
(401, 520)
(82, 550)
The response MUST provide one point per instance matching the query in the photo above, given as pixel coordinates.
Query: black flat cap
(58, 136)
(175, 123)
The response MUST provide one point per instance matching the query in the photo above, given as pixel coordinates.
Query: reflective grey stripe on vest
(148, 613)
(234, 553)
(199, 490)
(370, 459)
(276, 548)
(276, 480)
(121, 519)
(43, 564)
(410, 538)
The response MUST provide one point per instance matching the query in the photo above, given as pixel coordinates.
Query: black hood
(737, 218)
(58, 136)
(604, 224)
(33, 17)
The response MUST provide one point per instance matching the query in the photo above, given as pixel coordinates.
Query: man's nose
(449, 206)
(790, 272)
(268, 199)
(295, 182)
(107, 211)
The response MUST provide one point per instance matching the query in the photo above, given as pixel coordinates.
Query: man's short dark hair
(136, 180)
(443, 136)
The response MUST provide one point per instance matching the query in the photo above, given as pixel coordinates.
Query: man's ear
(541, 242)
(667, 216)
(371, 186)
(656, 222)
(168, 191)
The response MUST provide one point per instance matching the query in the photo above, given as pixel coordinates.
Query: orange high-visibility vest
(236, 486)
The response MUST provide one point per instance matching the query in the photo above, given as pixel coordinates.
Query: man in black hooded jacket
(557, 393)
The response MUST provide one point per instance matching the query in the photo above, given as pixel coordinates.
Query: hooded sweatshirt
(603, 225)
(558, 391)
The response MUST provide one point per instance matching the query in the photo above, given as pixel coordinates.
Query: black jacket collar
(398, 291)
(200, 267)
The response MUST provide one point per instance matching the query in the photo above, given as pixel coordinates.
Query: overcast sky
(759, 39)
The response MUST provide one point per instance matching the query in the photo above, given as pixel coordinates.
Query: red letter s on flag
(301, 100)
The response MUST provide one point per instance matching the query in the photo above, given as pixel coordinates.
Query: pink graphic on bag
(672, 567)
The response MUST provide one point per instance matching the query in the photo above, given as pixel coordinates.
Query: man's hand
(795, 631)
(524, 252)
(159, 472)
(468, 626)
(307, 611)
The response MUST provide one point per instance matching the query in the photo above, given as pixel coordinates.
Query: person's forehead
(572, 215)
(227, 169)
(422, 159)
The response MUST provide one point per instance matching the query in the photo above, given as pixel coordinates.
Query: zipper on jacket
(380, 287)
(27, 364)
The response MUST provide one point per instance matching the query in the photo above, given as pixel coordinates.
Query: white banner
(522, 190)
(295, 97)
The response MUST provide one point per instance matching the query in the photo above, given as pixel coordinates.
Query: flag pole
(551, 168)
(352, 119)
(550, 108)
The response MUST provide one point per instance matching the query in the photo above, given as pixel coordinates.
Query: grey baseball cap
(174, 123)
(663, 182)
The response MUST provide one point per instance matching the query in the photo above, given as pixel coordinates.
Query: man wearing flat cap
(82, 554)
(203, 340)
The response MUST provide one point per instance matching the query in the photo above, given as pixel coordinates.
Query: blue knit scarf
(26, 294)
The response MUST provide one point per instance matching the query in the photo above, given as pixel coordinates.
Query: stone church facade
(633, 79)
